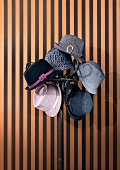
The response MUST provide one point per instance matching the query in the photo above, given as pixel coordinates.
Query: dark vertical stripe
(36, 111)
(75, 145)
(44, 52)
(76, 17)
(21, 85)
(75, 122)
(60, 163)
(60, 19)
(83, 20)
(29, 92)
(5, 80)
(67, 16)
(91, 113)
(107, 84)
(52, 119)
(114, 89)
(52, 23)
(91, 29)
(99, 89)
(52, 143)
(84, 120)
(13, 84)
(67, 116)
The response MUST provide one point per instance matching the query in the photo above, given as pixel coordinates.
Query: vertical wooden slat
(95, 96)
(25, 156)
(56, 24)
(99, 88)
(5, 82)
(118, 81)
(114, 86)
(71, 120)
(44, 52)
(91, 58)
(110, 86)
(17, 22)
(36, 110)
(76, 122)
(2, 85)
(21, 106)
(107, 84)
(67, 115)
(64, 107)
(48, 47)
(40, 112)
(87, 52)
(84, 119)
(9, 85)
(29, 113)
(103, 84)
(80, 122)
(32, 92)
(13, 83)
(55, 143)
(52, 154)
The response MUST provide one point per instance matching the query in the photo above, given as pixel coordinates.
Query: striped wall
(28, 138)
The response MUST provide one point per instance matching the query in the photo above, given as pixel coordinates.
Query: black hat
(39, 73)
(78, 102)
(72, 45)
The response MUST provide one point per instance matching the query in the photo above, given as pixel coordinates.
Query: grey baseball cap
(78, 102)
(59, 60)
(72, 45)
(91, 75)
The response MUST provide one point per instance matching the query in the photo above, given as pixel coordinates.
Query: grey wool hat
(72, 45)
(59, 60)
(91, 75)
(78, 102)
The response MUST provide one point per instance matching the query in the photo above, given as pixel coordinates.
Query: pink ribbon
(41, 78)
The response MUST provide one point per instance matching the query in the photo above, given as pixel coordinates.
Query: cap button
(69, 49)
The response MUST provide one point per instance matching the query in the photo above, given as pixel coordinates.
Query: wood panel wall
(28, 138)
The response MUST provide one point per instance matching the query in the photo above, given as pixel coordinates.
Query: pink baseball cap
(48, 98)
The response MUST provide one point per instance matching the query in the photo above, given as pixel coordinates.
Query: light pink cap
(48, 98)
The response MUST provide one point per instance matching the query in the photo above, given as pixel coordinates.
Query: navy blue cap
(78, 102)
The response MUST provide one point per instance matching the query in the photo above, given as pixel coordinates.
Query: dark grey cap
(59, 60)
(72, 45)
(78, 102)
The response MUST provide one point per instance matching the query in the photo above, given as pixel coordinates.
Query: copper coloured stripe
(5, 81)
(52, 119)
(91, 58)
(84, 120)
(107, 83)
(67, 116)
(36, 110)
(75, 122)
(99, 88)
(114, 86)
(29, 92)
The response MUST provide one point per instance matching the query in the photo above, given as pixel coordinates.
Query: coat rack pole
(60, 146)
(60, 158)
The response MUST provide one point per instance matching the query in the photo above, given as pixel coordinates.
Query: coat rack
(62, 83)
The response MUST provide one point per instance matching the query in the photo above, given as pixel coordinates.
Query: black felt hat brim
(49, 77)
